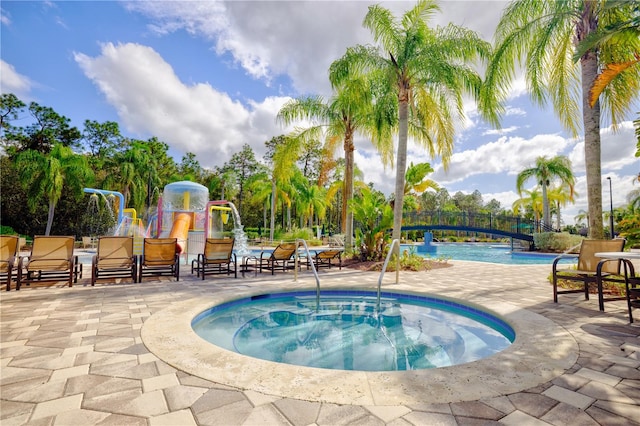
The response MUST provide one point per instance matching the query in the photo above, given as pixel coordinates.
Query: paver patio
(76, 356)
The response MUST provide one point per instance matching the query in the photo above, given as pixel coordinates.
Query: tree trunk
(546, 215)
(401, 165)
(591, 123)
(273, 209)
(52, 209)
(348, 189)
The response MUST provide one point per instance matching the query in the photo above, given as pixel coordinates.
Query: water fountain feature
(241, 243)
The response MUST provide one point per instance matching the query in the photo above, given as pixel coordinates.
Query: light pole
(611, 208)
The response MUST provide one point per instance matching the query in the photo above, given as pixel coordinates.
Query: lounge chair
(324, 258)
(159, 257)
(336, 240)
(218, 258)
(114, 259)
(51, 260)
(279, 259)
(8, 253)
(88, 242)
(587, 270)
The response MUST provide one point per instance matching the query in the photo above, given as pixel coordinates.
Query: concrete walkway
(76, 356)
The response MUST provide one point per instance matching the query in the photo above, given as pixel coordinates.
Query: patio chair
(51, 260)
(218, 258)
(159, 257)
(279, 259)
(336, 240)
(114, 259)
(88, 242)
(8, 253)
(324, 258)
(587, 271)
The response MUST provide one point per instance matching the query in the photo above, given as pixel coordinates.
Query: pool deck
(80, 356)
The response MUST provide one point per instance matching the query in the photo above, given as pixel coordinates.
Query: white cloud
(12, 81)
(151, 100)
(508, 155)
(502, 131)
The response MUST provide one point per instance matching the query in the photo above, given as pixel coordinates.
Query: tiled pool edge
(542, 351)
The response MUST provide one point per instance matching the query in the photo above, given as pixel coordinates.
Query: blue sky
(208, 77)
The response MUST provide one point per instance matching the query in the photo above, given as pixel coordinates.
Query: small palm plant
(373, 213)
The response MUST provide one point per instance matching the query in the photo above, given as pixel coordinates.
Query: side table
(248, 264)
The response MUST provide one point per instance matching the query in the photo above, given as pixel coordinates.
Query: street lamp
(611, 207)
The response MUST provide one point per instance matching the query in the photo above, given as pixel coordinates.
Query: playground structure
(184, 212)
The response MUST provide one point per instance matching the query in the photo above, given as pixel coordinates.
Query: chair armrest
(562, 256)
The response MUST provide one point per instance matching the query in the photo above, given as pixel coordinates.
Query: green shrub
(556, 241)
(7, 230)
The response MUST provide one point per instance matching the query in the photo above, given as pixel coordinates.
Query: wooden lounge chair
(51, 260)
(159, 257)
(8, 253)
(324, 258)
(587, 270)
(280, 258)
(218, 258)
(114, 259)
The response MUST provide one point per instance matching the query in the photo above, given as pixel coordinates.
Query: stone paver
(76, 356)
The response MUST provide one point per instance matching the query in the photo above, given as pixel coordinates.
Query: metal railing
(313, 268)
(384, 268)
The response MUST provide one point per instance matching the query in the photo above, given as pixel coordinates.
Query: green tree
(10, 108)
(531, 203)
(48, 128)
(544, 172)
(102, 139)
(340, 119)
(45, 176)
(416, 181)
(310, 199)
(190, 168)
(132, 174)
(245, 165)
(428, 72)
(374, 214)
(542, 36)
(559, 196)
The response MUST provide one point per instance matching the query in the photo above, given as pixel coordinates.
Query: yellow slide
(180, 230)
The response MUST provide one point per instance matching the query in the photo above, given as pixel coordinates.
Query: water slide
(180, 230)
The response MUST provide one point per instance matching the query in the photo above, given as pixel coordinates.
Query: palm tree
(310, 199)
(47, 175)
(346, 114)
(624, 32)
(416, 181)
(560, 196)
(532, 201)
(543, 35)
(426, 73)
(544, 172)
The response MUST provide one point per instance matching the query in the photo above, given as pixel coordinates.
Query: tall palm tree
(345, 114)
(47, 175)
(544, 172)
(543, 36)
(560, 196)
(427, 73)
(625, 32)
(310, 199)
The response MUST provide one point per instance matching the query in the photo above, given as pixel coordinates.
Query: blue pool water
(484, 252)
(347, 332)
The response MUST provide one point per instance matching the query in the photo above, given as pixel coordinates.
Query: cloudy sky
(207, 77)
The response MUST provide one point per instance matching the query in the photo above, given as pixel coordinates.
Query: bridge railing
(475, 220)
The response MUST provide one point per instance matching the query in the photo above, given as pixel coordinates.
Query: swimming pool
(346, 330)
(485, 252)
